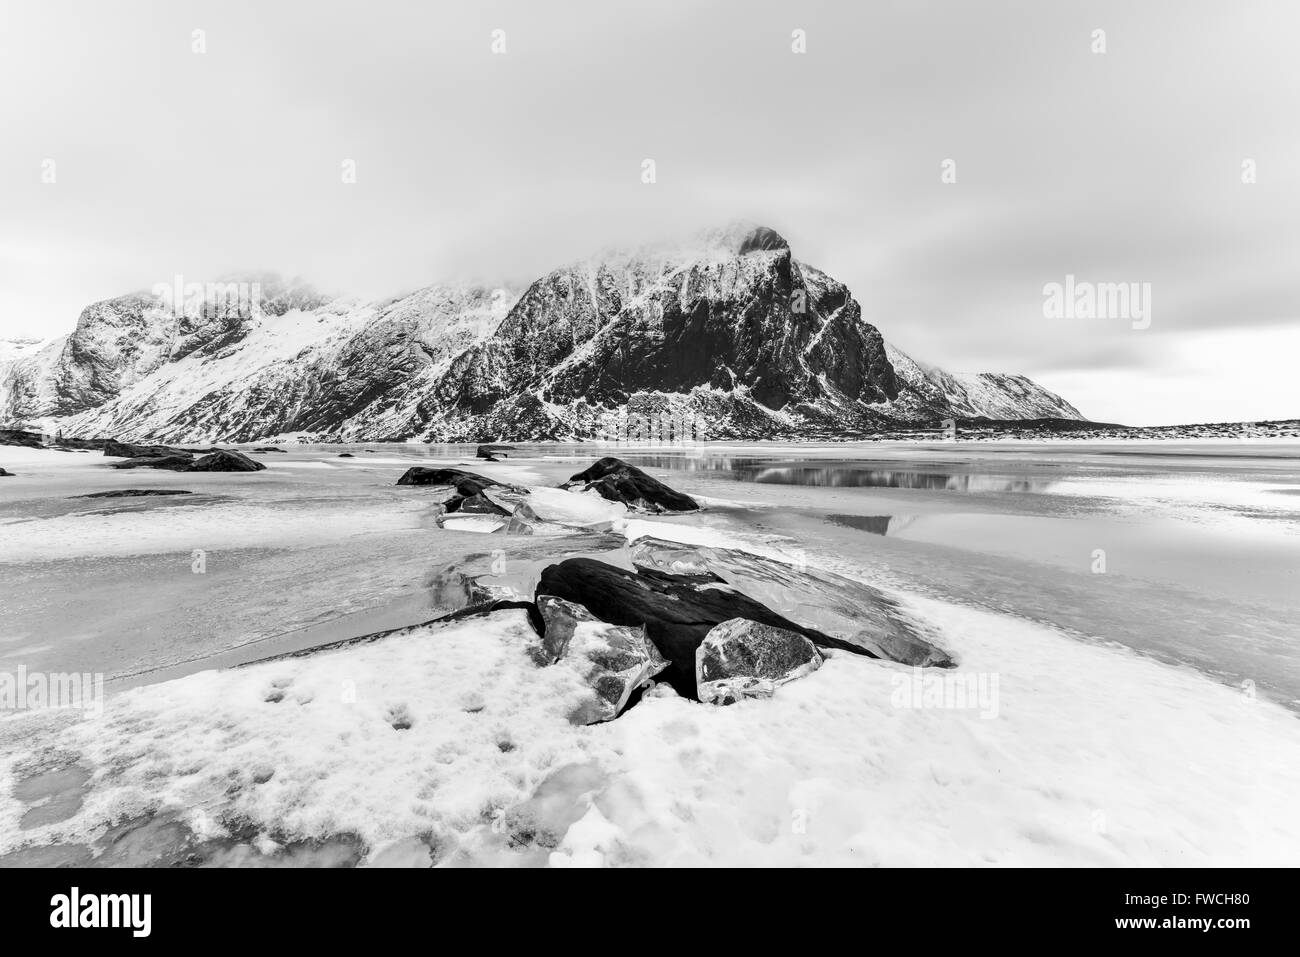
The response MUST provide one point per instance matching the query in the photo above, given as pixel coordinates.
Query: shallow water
(1188, 551)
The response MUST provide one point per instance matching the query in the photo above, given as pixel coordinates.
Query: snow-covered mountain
(994, 395)
(732, 331)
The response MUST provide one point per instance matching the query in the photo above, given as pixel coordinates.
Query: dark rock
(226, 460)
(467, 483)
(174, 463)
(489, 451)
(762, 239)
(861, 616)
(127, 450)
(4, 474)
(268, 448)
(82, 445)
(135, 493)
(469, 488)
(21, 438)
(478, 504)
(346, 455)
(617, 481)
(747, 659)
(678, 611)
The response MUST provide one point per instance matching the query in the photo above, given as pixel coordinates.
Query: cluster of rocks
(612, 479)
(693, 633)
(21, 438)
(713, 624)
(179, 459)
(469, 501)
(463, 492)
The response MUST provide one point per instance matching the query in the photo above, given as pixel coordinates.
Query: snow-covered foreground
(1084, 755)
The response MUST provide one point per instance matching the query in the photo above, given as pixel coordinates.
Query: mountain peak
(764, 239)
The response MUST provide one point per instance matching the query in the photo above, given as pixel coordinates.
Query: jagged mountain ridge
(991, 394)
(734, 332)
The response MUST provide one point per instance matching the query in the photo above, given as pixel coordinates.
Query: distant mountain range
(731, 332)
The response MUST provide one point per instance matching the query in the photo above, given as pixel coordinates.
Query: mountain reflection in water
(841, 475)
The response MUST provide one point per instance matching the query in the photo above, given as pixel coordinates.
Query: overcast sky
(1124, 166)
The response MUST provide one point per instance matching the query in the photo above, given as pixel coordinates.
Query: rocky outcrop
(467, 490)
(4, 474)
(128, 450)
(467, 483)
(180, 460)
(677, 611)
(21, 438)
(856, 614)
(172, 463)
(226, 460)
(747, 659)
(617, 481)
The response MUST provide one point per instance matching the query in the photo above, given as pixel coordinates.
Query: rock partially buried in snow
(135, 493)
(479, 504)
(467, 483)
(745, 659)
(173, 463)
(617, 481)
(615, 660)
(128, 450)
(866, 619)
(677, 611)
(225, 460)
(469, 495)
(4, 474)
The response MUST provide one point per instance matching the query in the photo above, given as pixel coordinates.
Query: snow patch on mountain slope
(348, 366)
(12, 349)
